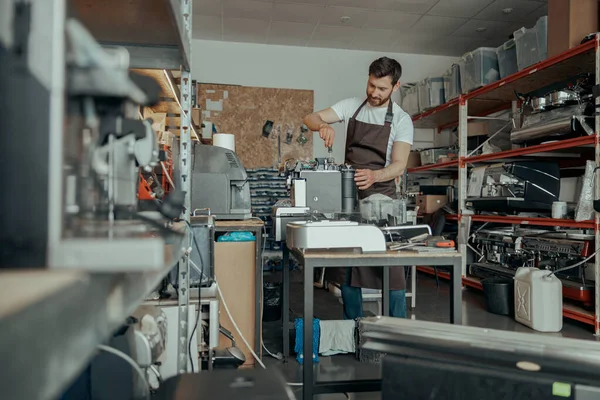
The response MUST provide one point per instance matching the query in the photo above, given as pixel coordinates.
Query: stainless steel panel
(323, 190)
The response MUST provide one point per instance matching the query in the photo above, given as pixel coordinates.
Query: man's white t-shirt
(402, 126)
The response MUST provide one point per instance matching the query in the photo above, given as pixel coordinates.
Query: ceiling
(442, 27)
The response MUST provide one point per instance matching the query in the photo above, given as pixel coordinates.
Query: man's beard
(374, 102)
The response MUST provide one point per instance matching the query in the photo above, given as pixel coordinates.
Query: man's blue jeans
(353, 304)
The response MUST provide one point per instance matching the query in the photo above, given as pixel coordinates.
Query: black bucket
(272, 306)
(499, 295)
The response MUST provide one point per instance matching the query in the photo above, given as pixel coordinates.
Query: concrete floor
(432, 305)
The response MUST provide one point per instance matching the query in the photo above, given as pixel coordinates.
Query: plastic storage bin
(499, 295)
(507, 58)
(431, 93)
(452, 82)
(410, 98)
(532, 44)
(431, 156)
(538, 300)
(478, 68)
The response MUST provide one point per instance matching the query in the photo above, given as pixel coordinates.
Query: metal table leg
(258, 292)
(413, 287)
(385, 305)
(286, 301)
(307, 365)
(456, 294)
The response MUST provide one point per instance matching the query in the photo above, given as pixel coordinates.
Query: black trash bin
(499, 295)
(271, 301)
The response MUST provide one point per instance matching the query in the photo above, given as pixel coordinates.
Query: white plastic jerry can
(538, 299)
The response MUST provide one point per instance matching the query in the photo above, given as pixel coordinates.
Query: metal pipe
(491, 118)
(213, 324)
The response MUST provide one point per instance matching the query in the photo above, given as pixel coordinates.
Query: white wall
(333, 74)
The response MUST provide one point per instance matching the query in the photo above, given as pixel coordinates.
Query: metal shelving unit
(499, 96)
(74, 311)
(157, 33)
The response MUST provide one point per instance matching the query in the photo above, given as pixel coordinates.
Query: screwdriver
(438, 241)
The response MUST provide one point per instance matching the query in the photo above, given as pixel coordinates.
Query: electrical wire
(130, 361)
(277, 356)
(201, 272)
(192, 335)
(236, 326)
(573, 266)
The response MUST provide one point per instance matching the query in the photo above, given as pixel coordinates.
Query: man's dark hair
(386, 67)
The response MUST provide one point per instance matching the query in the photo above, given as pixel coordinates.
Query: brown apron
(366, 148)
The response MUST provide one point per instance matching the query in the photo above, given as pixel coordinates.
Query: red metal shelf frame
(540, 148)
(428, 167)
(498, 95)
(581, 49)
(516, 220)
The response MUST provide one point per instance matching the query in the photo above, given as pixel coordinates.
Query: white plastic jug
(538, 300)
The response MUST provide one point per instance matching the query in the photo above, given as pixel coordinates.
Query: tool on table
(440, 242)
(330, 158)
(425, 243)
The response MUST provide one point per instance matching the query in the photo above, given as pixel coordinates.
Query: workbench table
(256, 227)
(387, 260)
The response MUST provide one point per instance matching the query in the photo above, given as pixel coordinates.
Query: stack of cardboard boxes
(569, 21)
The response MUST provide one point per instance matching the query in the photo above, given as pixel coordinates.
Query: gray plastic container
(452, 82)
(478, 68)
(507, 58)
(431, 93)
(532, 44)
(410, 98)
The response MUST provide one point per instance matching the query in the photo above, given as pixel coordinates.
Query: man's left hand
(365, 178)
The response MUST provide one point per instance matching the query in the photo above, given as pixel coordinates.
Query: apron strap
(389, 116)
(359, 108)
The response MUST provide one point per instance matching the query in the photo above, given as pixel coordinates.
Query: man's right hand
(327, 133)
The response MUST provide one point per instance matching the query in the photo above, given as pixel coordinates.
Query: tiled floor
(432, 305)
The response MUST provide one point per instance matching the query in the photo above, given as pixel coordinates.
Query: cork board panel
(243, 111)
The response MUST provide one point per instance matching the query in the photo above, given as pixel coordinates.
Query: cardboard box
(235, 269)
(429, 203)
(478, 128)
(414, 160)
(569, 21)
(197, 116)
